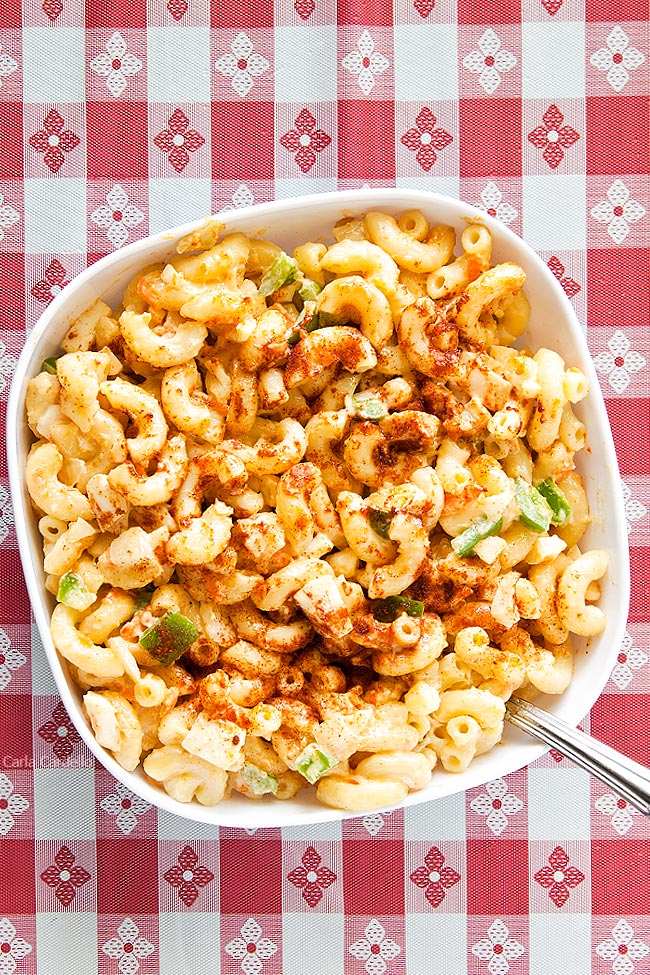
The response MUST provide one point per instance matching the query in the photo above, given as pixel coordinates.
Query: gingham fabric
(119, 118)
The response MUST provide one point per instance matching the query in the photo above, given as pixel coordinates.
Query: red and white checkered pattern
(125, 117)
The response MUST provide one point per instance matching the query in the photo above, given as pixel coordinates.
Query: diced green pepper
(313, 762)
(309, 290)
(366, 408)
(379, 521)
(169, 637)
(482, 528)
(308, 317)
(74, 593)
(49, 365)
(307, 321)
(282, 271)
(387, 610)
(556, 500)
(534, 511)
(259, 783)
(327, 319)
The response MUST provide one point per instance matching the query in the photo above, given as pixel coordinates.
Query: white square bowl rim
(518, 750)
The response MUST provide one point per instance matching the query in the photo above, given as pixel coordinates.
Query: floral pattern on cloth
(623, 949)
(243, 196)
(635, 510)
(619, 812)
(12, 948)
(116, 64)
(498, 949)
(177, 8)
(426, 139)
(12, 804)
(178, 140)
(53, 281)
(304, 8)
(311, 878)
(7, 65)
(497, 804)
(365, 62)
(617, 58)
(60, 733)
(125, 806)
(424, 7)
(6, 511)
(7, 369)
(553, 137)
(11, 659)
(53, 141)
(52, 9)
(65, 876)
(187, 876)
(620, 362)
(117, 216)
(251, 949)
(629, 660)
(305, 140)
(567, 283)
(373, 822)
(242, 65)
(129, 948)
(434, 878)
(618, 211)
(489, 61)
(494, 204)
(375, 950)
(558, 878)
(8, 216)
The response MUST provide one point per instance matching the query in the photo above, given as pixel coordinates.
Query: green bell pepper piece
(367, 409)
(556, 500)
(313, 762)
(307, 320)
(169, 637)
(74, 593)
(282, 271)
(534, 511)
(482, 528)
(260, 783)
(309, 290)
(387, 610)
(380, 521)
(49, 365)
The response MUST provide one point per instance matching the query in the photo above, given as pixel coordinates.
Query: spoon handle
(623, 776)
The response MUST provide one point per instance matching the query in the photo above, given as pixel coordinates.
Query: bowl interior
(552, 324)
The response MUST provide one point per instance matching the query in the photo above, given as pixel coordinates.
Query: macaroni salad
(310, 519)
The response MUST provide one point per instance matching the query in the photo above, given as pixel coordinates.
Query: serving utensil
(628, 779)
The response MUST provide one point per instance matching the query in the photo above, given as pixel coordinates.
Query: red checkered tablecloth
(119, 118)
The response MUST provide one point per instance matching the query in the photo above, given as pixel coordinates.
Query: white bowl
(552, 324)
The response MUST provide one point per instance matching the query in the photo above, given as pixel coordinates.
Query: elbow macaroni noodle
(325, 482)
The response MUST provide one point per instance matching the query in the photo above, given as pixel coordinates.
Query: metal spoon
(625, 777)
